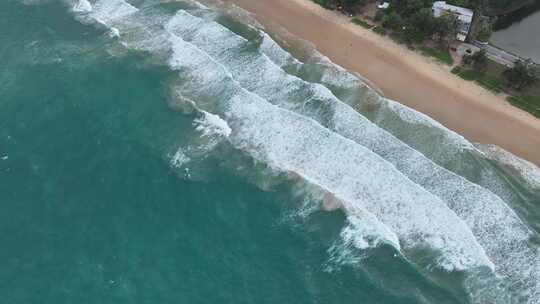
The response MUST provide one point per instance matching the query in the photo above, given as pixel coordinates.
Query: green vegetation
(406, 8)
(379, 30)
(488, 81)
(498, 78)
(530, 104)
(491, 6)
(478, 60)
(521, 76)
(414, 20)
(442, 56)
(392, 21)
(484, 34)
(351, 5)
(362, 23)
(411, 21)
(378, 16)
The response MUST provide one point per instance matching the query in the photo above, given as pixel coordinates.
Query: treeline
(412, 21)
(489, 7)
(354, 5)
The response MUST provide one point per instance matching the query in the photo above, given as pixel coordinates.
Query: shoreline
(405, 76)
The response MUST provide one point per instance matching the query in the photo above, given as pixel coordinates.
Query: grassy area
(442, 56)
(530, 104)
(379, 30)
(362, 23)
(492, 79)
(488, 81)
(495, 68)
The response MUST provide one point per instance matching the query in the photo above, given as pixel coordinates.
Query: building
(464, 15)
(383, 5)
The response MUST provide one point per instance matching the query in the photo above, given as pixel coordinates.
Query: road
(499, 55)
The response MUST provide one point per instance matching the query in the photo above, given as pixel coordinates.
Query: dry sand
(405, 76)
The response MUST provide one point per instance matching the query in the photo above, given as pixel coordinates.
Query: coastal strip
(405, 76)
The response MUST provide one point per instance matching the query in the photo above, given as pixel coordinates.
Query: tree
(407, 8)
(521, 75)
(478, 60)
(446, 28)
(484, 33)
(393, 21)
(379, 15)
(351, 5)
(424, 22)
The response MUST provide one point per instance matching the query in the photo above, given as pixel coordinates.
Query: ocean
(175, 152)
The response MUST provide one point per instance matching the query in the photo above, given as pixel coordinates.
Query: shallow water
(169, 152)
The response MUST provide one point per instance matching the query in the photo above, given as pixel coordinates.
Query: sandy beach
(405, 76)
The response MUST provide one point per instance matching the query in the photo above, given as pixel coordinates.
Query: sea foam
(82, 6)
(285, 143)
(526, 170)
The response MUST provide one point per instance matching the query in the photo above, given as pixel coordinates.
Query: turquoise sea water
(172, 153)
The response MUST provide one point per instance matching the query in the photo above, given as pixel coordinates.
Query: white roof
(464, 14)
(384, 5)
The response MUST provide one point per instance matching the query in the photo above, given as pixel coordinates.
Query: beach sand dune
(405, 76)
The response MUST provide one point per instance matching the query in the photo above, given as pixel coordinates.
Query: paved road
(497, 54)
(492, 53)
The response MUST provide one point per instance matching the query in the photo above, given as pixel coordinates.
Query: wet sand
(405, 76)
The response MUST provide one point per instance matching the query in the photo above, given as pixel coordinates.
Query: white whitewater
(528, 171)
(82, 6)
(277, 137)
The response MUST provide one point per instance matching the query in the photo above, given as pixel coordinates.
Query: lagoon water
(173, 152)
(521, 38)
